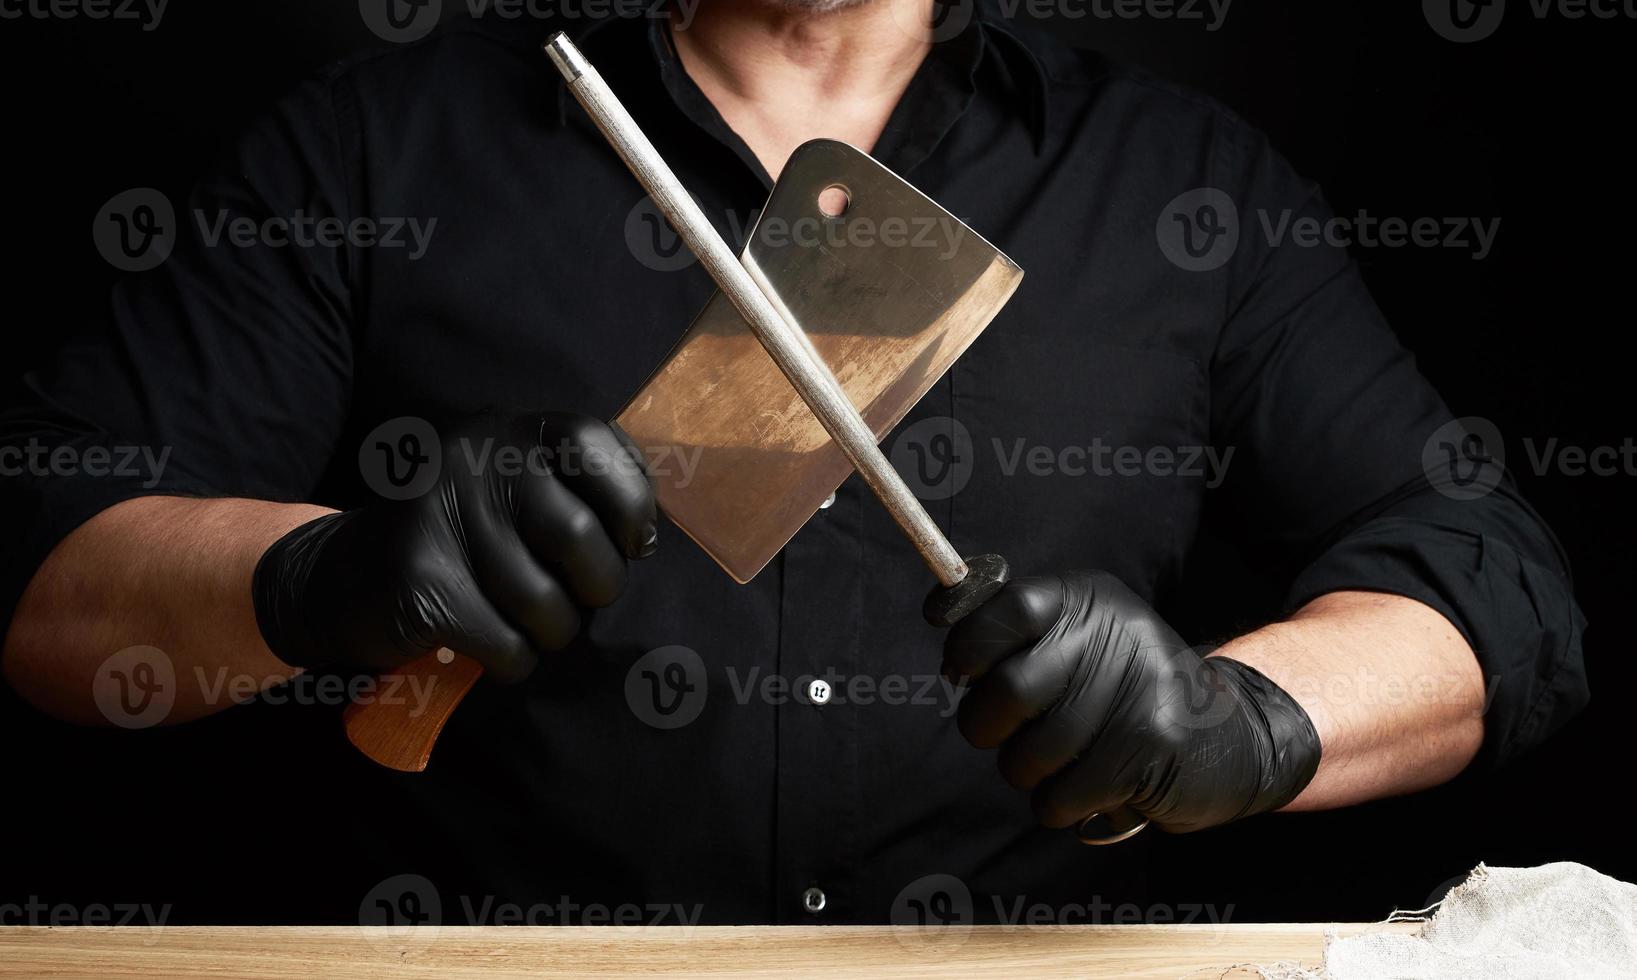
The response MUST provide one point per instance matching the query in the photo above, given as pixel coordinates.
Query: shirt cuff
(50, 492)
(1518, 615)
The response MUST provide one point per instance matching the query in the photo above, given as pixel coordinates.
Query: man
(272, 374)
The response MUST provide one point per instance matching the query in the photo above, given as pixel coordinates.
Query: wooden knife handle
(399, 728)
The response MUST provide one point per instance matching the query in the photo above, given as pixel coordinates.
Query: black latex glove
(1095, 703)
(493, 561)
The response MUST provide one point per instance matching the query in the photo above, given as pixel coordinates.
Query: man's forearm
(165, 572)
(1393, 689)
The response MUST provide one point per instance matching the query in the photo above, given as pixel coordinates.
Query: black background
(1529, 126)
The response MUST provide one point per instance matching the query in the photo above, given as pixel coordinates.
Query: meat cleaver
(854, 295)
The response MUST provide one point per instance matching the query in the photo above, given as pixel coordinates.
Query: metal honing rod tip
(566, 56)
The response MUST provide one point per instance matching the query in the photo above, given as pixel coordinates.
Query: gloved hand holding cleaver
(837, 343)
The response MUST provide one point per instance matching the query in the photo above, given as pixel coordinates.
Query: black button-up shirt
(1149, 383)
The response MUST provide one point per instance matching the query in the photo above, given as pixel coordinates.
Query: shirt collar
(1026, 77)
(983, 52)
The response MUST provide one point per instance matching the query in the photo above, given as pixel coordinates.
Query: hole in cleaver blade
(890, 293)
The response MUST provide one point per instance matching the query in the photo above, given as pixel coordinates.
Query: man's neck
(781, 75)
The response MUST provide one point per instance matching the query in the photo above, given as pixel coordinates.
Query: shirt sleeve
(225, 371)
(1337, 475)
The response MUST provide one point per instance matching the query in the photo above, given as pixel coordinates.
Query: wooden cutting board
(1197, 952)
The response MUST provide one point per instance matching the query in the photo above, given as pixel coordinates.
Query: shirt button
(818, 692)
(813, 900)
(829, 502)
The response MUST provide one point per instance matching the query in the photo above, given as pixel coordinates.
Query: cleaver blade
(888, 292)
